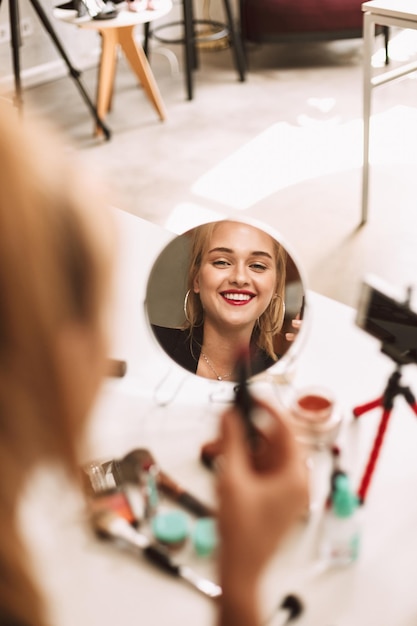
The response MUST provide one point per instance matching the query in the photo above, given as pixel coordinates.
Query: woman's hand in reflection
(296, 324)
(261, 495)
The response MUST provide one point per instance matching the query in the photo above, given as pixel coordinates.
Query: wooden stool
(116, 32)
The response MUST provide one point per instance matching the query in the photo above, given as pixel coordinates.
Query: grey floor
(284, 147)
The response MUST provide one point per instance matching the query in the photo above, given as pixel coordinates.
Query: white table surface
(92, 583)
(123, 18)
(406, 9)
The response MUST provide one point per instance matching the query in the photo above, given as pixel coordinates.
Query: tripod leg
(374, 455)
(410, 398)
(369, 406)
(75, 74)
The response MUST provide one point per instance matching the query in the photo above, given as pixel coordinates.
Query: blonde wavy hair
(55, 259)
(269, 323)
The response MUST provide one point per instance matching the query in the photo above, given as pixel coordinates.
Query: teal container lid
(170, 527)
(205, 536)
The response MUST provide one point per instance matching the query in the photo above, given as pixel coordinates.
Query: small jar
(204, 536)
(171, 528)
(315, 416)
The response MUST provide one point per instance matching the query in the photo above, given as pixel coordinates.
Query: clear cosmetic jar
(315, 416)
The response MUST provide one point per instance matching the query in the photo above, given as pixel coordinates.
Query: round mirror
(221, 288)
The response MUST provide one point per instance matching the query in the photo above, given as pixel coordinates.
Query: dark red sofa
(269, 21)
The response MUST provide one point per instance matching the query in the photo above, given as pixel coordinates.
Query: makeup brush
(111, 526)
(139, 461)
(288, 611)
(244, 402)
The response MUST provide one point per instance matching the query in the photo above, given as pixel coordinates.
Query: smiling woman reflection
(235, 300)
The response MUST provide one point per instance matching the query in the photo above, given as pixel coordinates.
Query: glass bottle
(341, 529)
(316, 419)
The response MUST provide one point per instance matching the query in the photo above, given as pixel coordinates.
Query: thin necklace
(205, 357)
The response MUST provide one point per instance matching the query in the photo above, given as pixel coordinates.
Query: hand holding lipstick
(296, 324)
(258, 503)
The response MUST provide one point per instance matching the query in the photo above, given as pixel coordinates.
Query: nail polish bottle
(341, 528)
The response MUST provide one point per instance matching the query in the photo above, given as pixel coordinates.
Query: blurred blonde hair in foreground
(55, 259)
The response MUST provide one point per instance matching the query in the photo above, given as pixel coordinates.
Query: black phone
(388, 319)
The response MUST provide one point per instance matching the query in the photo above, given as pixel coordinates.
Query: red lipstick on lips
(237, 297)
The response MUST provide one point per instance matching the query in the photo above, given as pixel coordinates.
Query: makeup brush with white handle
(112, 526)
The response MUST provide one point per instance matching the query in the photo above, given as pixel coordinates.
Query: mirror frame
(173, 260)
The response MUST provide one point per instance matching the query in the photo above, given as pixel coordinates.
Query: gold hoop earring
(185, 306)
(187, 317)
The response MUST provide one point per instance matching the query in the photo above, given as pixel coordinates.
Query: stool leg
(189, 46)
(236, 42)
(106, 72)
(135, 55)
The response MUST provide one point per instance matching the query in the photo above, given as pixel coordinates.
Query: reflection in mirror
(220, 288)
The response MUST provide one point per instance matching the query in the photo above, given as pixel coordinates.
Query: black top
(185, 349)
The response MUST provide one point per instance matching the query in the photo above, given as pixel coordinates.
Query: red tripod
(386, 401)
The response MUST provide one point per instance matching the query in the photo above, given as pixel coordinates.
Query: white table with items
(159, 406)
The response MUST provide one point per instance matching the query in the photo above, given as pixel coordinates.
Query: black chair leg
(386, 39)
(236, 42)
(191, 36)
